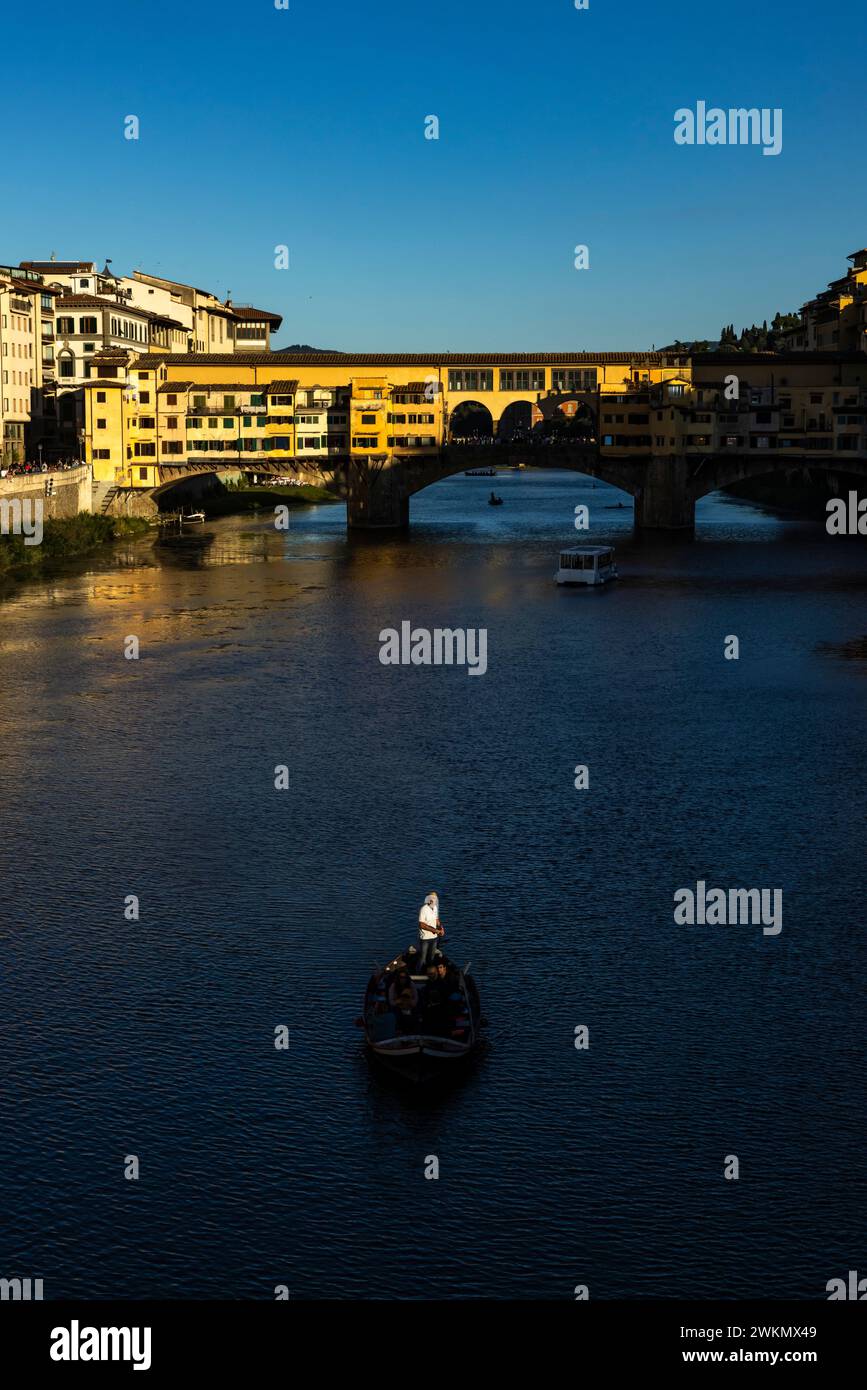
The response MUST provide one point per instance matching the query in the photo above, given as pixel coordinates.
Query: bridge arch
(471, 420)
(414, 476)
(516, 420)
(721, 472)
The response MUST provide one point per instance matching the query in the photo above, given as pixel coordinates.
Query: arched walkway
(516, 421)
(471, 420)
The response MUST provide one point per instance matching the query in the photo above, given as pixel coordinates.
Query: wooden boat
(423, 1045)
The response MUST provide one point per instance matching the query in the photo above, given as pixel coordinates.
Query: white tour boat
(586, 564)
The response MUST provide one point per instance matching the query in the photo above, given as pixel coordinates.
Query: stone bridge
(665, 488)
(377, 491)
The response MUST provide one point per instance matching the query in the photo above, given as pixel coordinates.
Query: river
(262, 1166)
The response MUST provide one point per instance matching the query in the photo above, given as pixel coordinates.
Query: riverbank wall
(63, 494)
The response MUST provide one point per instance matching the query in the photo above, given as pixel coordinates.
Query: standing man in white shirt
(428, 921)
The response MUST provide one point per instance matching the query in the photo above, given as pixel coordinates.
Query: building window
(100, 424)
(171, 400)
(573, 379)
(529, 380)
(100, 397)
(482, 380)
(88, 325)
(65, 325)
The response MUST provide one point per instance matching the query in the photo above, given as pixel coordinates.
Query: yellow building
(329, 406)
(796, 407)
(368, 416)
(836, 320)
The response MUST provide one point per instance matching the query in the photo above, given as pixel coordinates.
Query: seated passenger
(405, 1013)
(447, 975)
(400, 985)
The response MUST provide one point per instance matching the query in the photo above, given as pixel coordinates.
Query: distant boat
(193, 516)
(480, 473)
(426, 1046)
(494, 501)
(586, 564)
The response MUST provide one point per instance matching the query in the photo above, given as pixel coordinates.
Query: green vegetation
(63, 540)
(759, 337)
(248, 497)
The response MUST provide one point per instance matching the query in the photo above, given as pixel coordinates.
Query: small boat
(480, 473)
(586, 564)
(193, 516)
(427, 1048)
(495, 501)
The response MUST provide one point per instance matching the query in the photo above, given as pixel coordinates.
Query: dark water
(260, 908)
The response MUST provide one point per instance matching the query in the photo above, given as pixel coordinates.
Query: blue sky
(305, 127)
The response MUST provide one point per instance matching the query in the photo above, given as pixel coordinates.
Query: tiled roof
(83, 301)
(220, 386)
(281, 388)
(33, 287)
(64, 267)
(780, 359)
(173, 387)
(248, 314)
(93, 301)
(410, 359)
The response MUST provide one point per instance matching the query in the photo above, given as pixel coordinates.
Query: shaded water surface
(261, 908)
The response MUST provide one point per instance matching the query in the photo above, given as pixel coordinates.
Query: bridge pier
(665, 501)
(376, 499)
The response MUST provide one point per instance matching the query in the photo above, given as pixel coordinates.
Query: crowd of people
(436, 1008)
(16, 470)
(527, 439)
